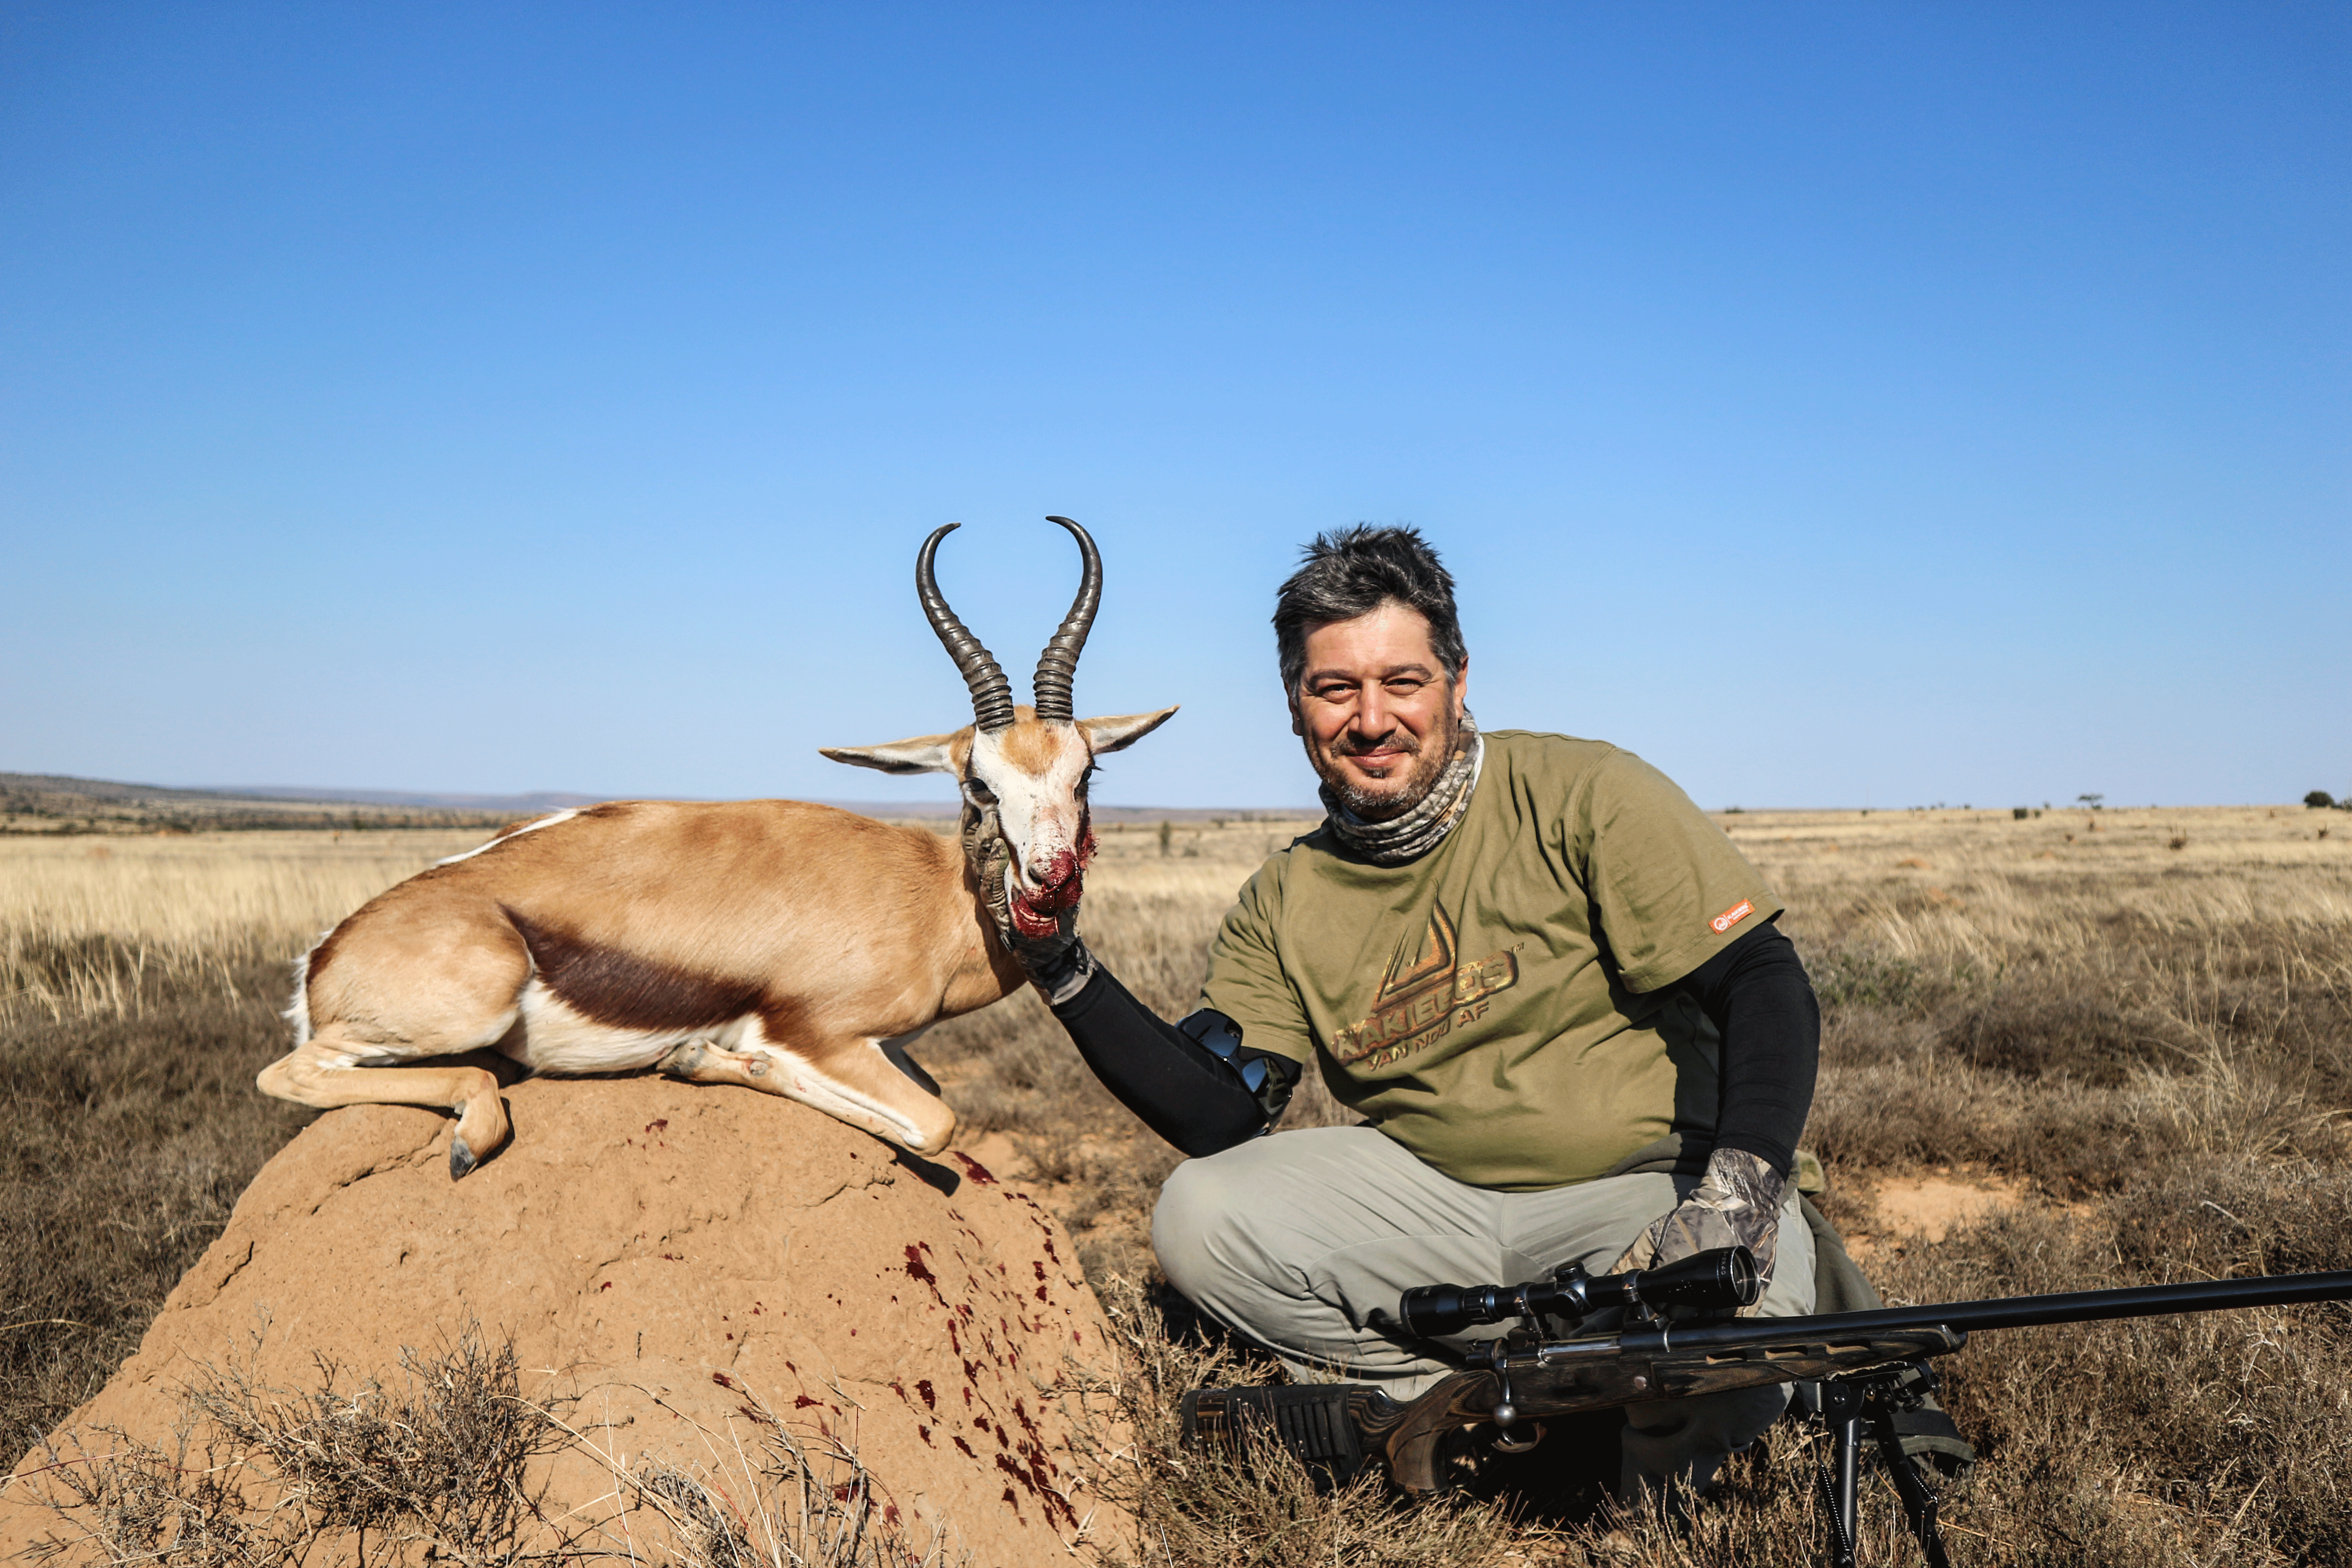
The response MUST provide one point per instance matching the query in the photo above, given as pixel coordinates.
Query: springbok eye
(980, 793)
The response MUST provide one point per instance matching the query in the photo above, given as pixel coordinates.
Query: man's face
(1377, 712)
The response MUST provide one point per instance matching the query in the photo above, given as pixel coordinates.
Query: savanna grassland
(2071, 1050)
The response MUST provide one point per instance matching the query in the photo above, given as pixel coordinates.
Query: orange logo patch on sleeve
(1733, 916)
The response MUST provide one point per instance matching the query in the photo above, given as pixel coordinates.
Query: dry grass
(1210, 1508)
(2153, 1043)
(95, 927)
(2073, 1013)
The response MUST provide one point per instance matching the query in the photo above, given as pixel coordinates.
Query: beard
(1429, 760)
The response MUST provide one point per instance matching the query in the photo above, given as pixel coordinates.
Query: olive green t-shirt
(1502, 1007)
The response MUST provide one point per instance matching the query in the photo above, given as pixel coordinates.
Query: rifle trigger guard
(1505, 1444)
(1506, 1415)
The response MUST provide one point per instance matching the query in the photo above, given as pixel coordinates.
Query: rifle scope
(1721, 1277)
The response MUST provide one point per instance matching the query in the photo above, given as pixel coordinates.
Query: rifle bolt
(1506, 1413)
(1640, 1382)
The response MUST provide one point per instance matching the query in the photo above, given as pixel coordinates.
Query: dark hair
(1352, 572)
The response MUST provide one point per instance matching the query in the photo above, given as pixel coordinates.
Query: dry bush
(2077, 1068)
(2223, 1432)
(140, 983)
(450, 1465)
(803, 1506)
(786, 1497)
(450, 1462)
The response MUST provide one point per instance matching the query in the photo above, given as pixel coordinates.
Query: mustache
(1394, 741)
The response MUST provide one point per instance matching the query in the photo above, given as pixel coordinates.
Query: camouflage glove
(1059, 965)
(1737, 1204)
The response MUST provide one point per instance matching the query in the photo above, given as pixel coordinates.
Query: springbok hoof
(461, 1157)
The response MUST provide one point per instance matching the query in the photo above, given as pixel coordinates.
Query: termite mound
(680, 1261)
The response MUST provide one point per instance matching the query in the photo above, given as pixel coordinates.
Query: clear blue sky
(1836, 404)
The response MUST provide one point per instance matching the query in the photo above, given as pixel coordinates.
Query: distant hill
(58, 803)
(106, 789)
(513, 804)
(49, 803)
(552, 800)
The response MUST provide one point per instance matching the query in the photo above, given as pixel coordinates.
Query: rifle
(1869, 1365)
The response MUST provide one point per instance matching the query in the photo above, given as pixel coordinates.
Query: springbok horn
(991, 694)
(1058, 665)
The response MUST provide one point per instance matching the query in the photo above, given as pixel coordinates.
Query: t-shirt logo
(1733, 916)
(1422, 995)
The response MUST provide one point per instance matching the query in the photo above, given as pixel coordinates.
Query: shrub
(449, 1464)
(448, 1459)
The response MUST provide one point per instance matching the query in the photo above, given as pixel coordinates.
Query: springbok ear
(923, 754)
(1118, 734)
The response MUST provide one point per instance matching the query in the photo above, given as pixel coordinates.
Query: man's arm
(1756, 994)
(1194, 1082)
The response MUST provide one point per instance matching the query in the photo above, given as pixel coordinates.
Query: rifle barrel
(2026, 1312)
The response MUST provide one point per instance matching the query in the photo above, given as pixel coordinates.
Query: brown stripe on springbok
(625, 992)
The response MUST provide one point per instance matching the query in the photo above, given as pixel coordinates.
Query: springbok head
(1022, 768)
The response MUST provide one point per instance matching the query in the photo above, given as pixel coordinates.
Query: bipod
(1871, 1399)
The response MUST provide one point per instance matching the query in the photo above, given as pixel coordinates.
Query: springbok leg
(320, 1074)
(852, 1081)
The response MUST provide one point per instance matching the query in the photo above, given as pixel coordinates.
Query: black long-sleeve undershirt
(1177, 1084)
(1754, 992)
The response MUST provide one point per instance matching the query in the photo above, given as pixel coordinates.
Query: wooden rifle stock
(1631, 1368)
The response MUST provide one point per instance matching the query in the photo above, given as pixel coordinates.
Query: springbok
(784, 946)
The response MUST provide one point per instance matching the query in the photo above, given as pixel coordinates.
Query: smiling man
(1551, 986)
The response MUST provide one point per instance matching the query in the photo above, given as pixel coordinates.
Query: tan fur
(1034, 747)
(783, 897)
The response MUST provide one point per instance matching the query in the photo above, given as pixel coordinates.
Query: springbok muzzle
(1061, 882)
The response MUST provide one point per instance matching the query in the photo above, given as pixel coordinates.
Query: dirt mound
(682, 1258)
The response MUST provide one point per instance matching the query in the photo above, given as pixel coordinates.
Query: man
(1549, 984)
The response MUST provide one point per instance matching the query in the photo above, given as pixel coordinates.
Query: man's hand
(1737, 1204)
(1059, 965)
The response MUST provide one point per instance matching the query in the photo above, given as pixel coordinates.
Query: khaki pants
(1302, 1242)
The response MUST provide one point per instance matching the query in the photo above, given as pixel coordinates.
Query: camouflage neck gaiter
(1422, 828)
